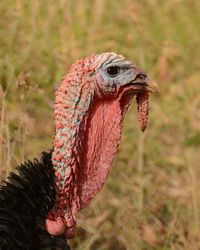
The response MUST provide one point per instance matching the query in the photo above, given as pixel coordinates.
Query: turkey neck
(88, 132)
(72, 104)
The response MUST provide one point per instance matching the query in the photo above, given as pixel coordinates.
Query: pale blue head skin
(126, 73)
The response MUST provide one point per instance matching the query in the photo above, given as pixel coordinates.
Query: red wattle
(56, 227)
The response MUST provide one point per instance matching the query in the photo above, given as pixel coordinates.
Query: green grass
(152, 196)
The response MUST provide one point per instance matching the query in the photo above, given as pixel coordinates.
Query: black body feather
(25, 199)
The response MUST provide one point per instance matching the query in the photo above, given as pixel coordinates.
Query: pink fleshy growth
(60, 144)
(59, 125)
(56, 227)
(103, 136)
(143, 109)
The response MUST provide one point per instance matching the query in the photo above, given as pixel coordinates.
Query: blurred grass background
(152, 196)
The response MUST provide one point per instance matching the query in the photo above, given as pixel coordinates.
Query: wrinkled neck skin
(88, 132)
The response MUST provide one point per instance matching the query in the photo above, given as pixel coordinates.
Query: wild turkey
(38, 205)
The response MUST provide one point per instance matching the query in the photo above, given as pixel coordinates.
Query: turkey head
(90, 106)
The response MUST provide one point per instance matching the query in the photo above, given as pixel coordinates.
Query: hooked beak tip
(152, 86)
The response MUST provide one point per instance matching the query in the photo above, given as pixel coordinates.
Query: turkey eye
(113, 71)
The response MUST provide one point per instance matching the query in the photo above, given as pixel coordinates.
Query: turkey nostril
(141, 76)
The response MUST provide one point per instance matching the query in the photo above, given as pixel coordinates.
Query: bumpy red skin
(88, 132)
(72, 103)
(143, 109)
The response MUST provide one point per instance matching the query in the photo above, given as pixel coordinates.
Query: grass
(151, 198)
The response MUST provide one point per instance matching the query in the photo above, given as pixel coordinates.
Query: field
(151, 199)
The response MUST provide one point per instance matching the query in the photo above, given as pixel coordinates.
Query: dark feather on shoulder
(25, 199)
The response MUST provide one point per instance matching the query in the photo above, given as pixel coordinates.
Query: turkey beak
(143, 83)
(152, 86)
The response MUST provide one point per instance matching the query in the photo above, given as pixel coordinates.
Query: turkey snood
(89, 107)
